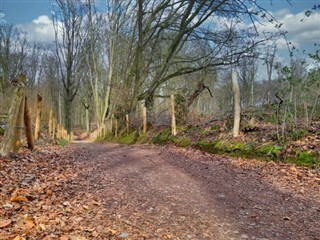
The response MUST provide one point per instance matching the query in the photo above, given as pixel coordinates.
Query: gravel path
(164, 192)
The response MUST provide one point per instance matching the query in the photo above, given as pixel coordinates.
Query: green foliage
(270, 150)
(142, 138)
(62, 142)
(215, 127)
(162, 137)
(297, 134)
(305, 159)
(129, 138)
(181, 141)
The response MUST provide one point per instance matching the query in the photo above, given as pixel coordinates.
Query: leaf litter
(98, 191)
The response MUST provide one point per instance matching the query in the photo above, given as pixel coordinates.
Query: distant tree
(68, 20)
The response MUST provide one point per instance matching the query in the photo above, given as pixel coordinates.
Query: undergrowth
(268, 151)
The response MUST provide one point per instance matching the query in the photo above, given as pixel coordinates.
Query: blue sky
(24, 11)
(34, 17)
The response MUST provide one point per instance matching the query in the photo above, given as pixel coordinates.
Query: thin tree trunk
(237, 107)
(28, 125)
(38, 117)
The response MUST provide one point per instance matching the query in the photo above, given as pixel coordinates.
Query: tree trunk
(10, 133)
(237, 107)
(38, 117)
(68, 113)
(173, 117)
(28, 125)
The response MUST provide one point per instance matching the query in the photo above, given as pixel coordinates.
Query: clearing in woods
(112, 191)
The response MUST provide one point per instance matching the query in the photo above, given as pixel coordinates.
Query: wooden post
(54, 129)
(144, 118)
(38, 117)
(50, 124)
(127, 122)
(18, 128)
(28, 125)
(111, 123)
(237, 107)
(11, 138)
(173, 116)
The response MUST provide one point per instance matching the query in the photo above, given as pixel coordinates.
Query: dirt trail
(161, 192)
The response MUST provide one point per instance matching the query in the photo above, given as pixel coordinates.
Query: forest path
(164, 192)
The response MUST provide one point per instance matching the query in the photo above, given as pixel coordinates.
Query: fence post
(173, 116)
(38, 117)
(144, 117)
(28, 125)
(237, 107)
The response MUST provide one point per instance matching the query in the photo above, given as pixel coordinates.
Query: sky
(34, 16)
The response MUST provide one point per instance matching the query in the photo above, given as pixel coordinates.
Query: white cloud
(302, 30)
(39, 30)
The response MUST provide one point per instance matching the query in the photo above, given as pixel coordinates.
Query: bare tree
(68, 19)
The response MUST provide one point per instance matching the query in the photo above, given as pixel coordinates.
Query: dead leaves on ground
(35, 205)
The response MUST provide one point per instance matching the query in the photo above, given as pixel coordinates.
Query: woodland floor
(112, 191)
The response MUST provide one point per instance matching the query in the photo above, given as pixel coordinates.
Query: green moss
(303, 159)
(270, 150)
(211, 147)
(181, 141)
(1, 131)
(162, 137)
(128, 138)
(142, 138)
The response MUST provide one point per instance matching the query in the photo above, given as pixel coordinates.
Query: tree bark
(38, 117)
(237, 107)
(9, 135)
(28, 125)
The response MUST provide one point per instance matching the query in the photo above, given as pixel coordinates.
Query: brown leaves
(37, 199)
(4, 223)
(18, 199)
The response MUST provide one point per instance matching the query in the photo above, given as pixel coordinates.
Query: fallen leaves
(38, 199)
(5, 222)
(18, 199)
